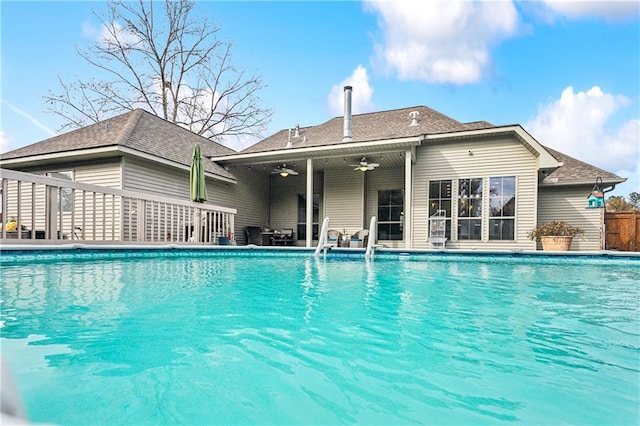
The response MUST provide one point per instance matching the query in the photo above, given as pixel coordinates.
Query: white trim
(309, 204)
(546, 183)
(95, 152)
(299, 152)
(408, 199)
(59, 155)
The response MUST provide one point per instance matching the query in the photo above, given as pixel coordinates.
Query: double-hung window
(470, 209)
(440, 199)
(390, 214)
(502, 208)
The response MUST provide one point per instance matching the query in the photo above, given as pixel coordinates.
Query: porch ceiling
(391, 155)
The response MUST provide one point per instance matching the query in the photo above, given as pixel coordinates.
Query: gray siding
(378, 180)
(108, 174)
(284, 199)
(490, 158)
(250, 196)
(344, 199)
(570, 205)
(104, 173)
(153, 178)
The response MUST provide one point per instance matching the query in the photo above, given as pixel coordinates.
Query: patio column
(309, 218)
(408, 184)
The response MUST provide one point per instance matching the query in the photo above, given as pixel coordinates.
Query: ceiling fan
(364, 166)
(284, 171)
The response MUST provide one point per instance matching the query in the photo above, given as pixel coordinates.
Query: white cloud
(608, 10)
(5, 142)
(441, 41)
(360, 97)
(107, 34)
(579, 124)
(115, 31)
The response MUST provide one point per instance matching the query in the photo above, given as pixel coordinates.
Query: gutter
(77, 155)
(297, 152)
(582, 183)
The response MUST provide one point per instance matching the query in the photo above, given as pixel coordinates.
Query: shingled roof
(396, 124)
(574, 172)
(371, 126)
(137, 130)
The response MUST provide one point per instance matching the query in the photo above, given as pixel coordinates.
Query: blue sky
(567, 71)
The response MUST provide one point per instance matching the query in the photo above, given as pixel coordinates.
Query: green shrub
(556, 228)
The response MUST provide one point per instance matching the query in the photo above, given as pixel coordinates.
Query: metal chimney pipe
(347, 114)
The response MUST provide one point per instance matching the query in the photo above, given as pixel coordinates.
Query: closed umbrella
(198, 188)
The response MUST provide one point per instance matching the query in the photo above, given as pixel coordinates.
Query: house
(490, 184)
(138, 151)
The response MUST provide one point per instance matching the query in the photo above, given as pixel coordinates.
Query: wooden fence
(622, 231)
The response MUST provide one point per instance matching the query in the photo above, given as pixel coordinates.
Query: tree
(634, 200)
(617, 203)
(156, 56)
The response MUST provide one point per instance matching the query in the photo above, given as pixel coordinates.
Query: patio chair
(333, 237)
(284, 237)
(359, 239)
(254, 235)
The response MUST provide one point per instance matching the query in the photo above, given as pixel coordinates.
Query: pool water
(246, 339)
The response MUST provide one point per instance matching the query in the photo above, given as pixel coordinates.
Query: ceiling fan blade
(292, 172)
(373, 164)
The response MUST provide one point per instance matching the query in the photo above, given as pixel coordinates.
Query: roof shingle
(573, 171)
(365, 127)
(138, 130)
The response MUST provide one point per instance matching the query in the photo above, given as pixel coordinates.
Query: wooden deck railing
(36, 207)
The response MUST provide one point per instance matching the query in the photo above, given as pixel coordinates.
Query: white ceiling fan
(364, 166)
(284, 171)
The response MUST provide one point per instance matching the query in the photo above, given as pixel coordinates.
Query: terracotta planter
(556, 243)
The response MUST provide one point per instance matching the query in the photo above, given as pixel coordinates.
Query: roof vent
(414, 117)
(289, 143)
(297, 134)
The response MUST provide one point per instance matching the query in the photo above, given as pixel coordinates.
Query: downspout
(603, 236)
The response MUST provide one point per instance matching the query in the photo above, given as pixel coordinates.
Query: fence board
(622, 231)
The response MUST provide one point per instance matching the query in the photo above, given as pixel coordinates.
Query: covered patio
(309, 184)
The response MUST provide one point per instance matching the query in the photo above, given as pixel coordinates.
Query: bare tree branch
(156, 56)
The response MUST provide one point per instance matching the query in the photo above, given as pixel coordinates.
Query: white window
(502, 208)
(65, 193)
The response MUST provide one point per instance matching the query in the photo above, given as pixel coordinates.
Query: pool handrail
(373, 236)
(322, 238)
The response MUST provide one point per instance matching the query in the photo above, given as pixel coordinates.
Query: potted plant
(555, 235)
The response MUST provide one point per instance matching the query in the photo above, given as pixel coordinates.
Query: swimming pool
(234, 337)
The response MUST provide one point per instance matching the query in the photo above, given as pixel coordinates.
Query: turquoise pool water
(206, 338)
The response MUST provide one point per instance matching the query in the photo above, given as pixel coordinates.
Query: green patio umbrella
(198, 187)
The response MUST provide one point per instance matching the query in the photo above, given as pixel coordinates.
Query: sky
(567, 71)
